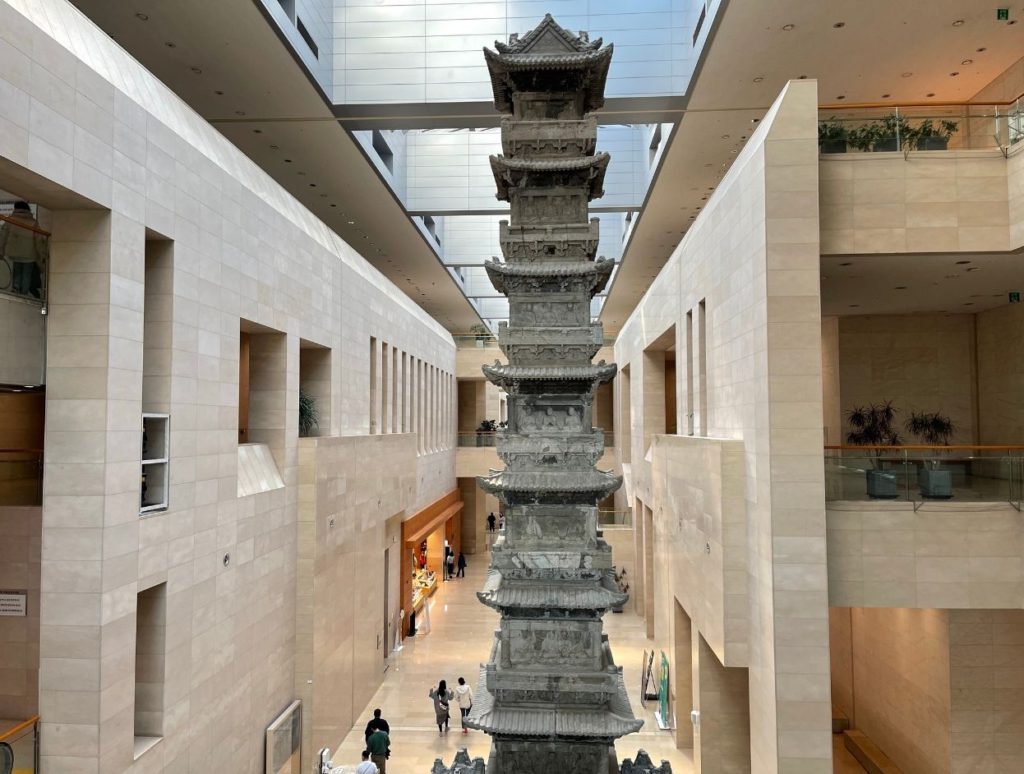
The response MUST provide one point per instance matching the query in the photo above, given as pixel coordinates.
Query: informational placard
(13, 604)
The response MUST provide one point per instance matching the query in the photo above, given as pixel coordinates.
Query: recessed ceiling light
(954, 74)
(801, 77)
(930, 94)
(968, 304)
(886, 96)
(900, 287)
(841, 96)
(351, 222)
(257, 131)
(725, 137)
(967, 61)
(854, 306)
(754, 120)
(980, 50)
(239, 112)
(1012, 21)
(758, 79)
(788, 27)
(219, 93)
(334, 205)
(847, 263)
(839, 25)
(312, 185)
(906, 74)
(142, 17)
(274, 147)
(973, 268)
(171, 45)
(961, 263)
(287, 161)
(958, 23)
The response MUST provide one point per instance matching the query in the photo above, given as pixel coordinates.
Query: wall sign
(1002, 14)
(13, 603)
(1014, 298)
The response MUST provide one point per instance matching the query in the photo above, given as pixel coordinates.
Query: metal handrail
(16, 734)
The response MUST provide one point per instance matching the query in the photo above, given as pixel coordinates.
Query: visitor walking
(451, 562)
(367, 766)
(490, 521)
(441, 696)
(377, 724)
(464, 698)
(462, 566)
(379, 747)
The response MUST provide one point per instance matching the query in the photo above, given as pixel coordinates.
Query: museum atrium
(309, 316)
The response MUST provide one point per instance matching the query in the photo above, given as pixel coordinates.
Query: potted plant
(485, 432)
(935, 430)
(862, 138)
(872, 425)
(309, 414)
(929, 136)
(482, 333)
(832, 136)
(892, 132)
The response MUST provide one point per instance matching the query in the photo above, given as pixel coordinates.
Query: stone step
(868, 754)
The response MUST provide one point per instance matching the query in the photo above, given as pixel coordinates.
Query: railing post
(899, 145)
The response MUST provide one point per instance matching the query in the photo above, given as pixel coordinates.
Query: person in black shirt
(490, 521)
(377, 724)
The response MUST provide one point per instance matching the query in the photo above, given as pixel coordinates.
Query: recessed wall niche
(315, 386)
(157, 315)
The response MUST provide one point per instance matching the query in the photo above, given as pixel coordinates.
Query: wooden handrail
(21, 451)
(924, 447)
(27, 227)
(9, 733)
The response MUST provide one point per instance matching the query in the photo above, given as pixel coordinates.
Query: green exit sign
(1002, 14)
(1014, 298)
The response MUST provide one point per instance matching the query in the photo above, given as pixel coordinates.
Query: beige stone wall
(753, 257)
(901, 672)
(945, 555)
(986, 650)
(921, 362)
(116, 156)
(885, 203)
(1001, 375)
(840, 637)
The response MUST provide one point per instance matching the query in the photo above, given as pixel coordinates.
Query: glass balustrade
(920, 474)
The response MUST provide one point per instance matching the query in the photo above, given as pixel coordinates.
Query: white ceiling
(955, 283)
(861, 61)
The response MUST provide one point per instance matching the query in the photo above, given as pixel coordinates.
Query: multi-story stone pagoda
(551, 695)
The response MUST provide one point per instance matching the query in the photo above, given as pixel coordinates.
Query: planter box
(832, 146)
(882, 485)
(933, 143)
(886, 145)
(935, 483)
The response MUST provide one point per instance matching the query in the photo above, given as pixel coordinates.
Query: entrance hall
(460, 636)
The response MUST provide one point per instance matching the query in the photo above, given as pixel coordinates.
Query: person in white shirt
(464, 698)
(367, 766)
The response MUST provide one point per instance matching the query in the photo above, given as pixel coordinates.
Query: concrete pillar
(682, 684)
(91, 492)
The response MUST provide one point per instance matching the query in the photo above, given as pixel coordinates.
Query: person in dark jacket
(462, 566)
(490, 521)
(377, 724)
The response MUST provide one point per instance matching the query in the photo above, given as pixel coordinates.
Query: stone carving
(644, 765)
(551, 696)
(461, 765)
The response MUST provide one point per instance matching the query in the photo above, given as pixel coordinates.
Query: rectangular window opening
(150, 665)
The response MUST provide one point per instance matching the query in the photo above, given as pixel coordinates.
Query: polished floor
(459, 640)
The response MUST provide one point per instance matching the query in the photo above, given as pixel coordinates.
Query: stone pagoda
(551, 695)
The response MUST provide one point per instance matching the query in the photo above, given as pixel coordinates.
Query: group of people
(491, 520)
(450, 563)
(378, 732)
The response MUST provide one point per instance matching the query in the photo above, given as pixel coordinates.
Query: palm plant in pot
(874, 425)
(309, 414)
(933, 429)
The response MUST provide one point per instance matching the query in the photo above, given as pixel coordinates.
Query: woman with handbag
(441, 696)
(464, 698)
